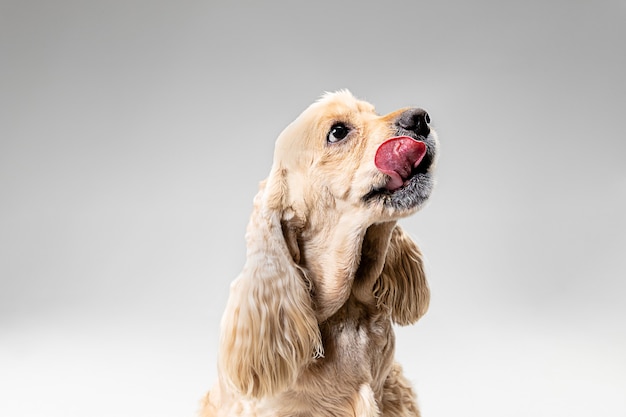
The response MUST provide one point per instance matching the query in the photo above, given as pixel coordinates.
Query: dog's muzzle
(406, 160)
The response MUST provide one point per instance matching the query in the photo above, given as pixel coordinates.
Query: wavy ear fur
(402, 286)
(269, 330)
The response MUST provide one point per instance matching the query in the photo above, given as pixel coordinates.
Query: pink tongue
(397, 157)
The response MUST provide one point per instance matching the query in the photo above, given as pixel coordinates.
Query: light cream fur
(308, 326)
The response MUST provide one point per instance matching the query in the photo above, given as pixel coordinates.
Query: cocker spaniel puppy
(307, 329)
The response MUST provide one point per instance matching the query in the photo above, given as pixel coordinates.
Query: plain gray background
(133, 135)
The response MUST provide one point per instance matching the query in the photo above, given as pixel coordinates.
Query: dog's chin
(410, 197)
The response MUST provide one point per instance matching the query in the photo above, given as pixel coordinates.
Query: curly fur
(307, 329)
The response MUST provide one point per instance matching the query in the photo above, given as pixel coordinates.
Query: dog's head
(340, 152)
(323, 228)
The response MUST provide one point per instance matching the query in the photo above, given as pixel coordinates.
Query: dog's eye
(338, 132)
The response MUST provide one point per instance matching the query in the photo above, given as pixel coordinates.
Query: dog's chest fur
(358, 352)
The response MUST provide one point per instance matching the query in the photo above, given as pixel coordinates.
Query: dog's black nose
(415, 120)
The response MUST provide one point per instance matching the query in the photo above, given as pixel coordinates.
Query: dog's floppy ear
(269, 330)
(402, 286)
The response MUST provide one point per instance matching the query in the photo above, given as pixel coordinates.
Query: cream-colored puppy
(308, 326)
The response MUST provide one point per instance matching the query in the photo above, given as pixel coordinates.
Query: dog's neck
(373, 255)
(343, 256)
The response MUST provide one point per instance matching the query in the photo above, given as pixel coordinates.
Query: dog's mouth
(406, 162)
(399, 157)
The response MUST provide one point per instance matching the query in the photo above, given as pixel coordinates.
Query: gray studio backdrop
(133, 135)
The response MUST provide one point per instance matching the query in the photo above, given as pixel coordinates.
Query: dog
(308, 326)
